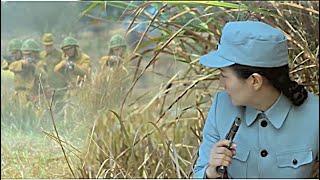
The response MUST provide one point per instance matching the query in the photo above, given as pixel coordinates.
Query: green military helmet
(69, 41)
(15, 45)
(117, 41)
(47, 39)
(30, 45)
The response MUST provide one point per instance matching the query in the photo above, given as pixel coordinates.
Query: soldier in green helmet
(31, 50)
(27, 71)
(75, 66)
(15, 53)
(117, 50)
(112, 79)
(110, 84)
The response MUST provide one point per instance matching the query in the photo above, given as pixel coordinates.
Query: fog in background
(93, 30)
(24, 20)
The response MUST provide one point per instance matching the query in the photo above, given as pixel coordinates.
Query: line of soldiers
(54, 69)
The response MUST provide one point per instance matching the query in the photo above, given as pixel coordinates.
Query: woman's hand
(220, 156)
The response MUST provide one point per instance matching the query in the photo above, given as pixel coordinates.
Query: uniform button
(264, 123)
(295, 162)
(264, 153)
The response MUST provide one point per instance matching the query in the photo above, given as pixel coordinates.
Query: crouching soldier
(116, 53)
(113, 78)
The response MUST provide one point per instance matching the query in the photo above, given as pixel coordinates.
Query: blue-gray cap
(250, 43)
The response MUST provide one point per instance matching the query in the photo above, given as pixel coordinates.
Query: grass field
(145, 123)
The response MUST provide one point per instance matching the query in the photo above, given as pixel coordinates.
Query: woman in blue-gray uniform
(278, 134)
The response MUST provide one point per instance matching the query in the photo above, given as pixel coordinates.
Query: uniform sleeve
(4, 64)
(59, 66)
(84, 67)
(41, 68)
(16, 66)
(103, 60)
(209, 138)
(42, 54)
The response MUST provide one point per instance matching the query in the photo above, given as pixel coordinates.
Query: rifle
(230, 136)
(69, 65)
(30, 60)
(113, 61)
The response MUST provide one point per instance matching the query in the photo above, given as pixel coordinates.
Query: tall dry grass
(159, 138)
(147, 122)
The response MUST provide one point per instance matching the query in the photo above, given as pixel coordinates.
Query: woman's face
(239, 90)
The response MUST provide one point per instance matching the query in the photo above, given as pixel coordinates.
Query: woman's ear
(256, 81)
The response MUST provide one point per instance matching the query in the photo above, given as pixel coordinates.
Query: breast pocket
(295, 163)
(239, 164)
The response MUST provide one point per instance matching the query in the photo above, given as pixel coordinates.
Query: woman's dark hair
(278, 77)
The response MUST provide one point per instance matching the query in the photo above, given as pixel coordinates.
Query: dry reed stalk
(49, 105)
(181, 95)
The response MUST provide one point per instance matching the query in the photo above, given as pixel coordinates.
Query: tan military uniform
(79, 74)
(7, 76)
(4, 64)
(7, 79)
(24, 79)
(110, 83)
(104, 62)
(51, 60)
